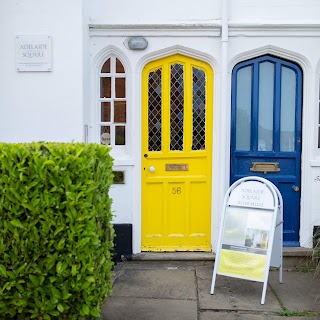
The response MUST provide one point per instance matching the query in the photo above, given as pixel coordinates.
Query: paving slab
(209, 315)
(235, 294)
(126, 308)
(299, 291)
(156, 283)
(204, 272)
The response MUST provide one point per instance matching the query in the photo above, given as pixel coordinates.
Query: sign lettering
(33, 53)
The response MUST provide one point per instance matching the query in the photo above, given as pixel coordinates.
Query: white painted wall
(54, 106)
(298, 49)
(146, 11)
(42, 105)
(275, 10)
(127, 198)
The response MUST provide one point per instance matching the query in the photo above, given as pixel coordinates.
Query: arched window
(112, 103)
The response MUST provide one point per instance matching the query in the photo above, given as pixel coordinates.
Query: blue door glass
(266, 127)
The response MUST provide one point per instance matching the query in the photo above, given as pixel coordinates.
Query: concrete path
(181, 291)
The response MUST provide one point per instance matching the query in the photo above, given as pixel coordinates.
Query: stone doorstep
(293, 257)
(296, 252)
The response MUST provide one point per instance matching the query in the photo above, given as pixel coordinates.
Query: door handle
(152, 169)
(295, 188)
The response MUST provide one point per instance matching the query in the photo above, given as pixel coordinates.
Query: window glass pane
(105, 137)
(120, 135)
(106, 67)
(105, 87)
(105, 111)
(119, 67)
(243, 108)
(199, 109)
(154, 110)
(288, 98)
(120, 87)
(120, 111)
(266, 92)
(176, 107)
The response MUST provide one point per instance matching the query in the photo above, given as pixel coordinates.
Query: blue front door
(266, 130)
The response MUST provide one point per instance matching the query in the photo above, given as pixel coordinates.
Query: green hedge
(55, 231)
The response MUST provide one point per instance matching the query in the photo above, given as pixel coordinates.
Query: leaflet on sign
(247, 230)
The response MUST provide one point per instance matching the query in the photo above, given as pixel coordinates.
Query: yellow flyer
(242, 265)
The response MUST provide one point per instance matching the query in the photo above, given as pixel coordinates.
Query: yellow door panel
(155, 223)
(177, 120)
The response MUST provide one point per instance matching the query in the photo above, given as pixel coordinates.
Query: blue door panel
(243, 163)
(289, 162)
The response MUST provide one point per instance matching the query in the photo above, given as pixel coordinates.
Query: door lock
(152, 169)
(295, 188)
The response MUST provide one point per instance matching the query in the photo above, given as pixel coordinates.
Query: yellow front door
(176, 154)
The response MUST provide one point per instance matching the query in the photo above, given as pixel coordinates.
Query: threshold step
(293, 252)
(174, 256)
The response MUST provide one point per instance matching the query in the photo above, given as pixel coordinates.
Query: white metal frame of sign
(250, 239)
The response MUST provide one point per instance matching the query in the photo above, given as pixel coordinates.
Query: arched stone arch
(103, 54)
(281, 53)
(189, 52)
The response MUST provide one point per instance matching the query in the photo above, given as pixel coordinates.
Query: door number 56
(176, 190)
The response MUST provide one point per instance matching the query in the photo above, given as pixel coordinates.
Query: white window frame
(118, 149)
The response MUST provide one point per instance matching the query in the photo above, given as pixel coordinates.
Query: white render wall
(154, 12)
(276, 10)
(255, 28)
(42, 105)
(55, 106)
(201, 11)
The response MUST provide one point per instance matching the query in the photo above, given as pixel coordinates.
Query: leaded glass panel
(176, 107)
(198, 109)
(154, 110)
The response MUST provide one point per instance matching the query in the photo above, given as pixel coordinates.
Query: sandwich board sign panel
(252, 208)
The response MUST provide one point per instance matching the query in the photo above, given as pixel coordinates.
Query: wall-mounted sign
(33, 53)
